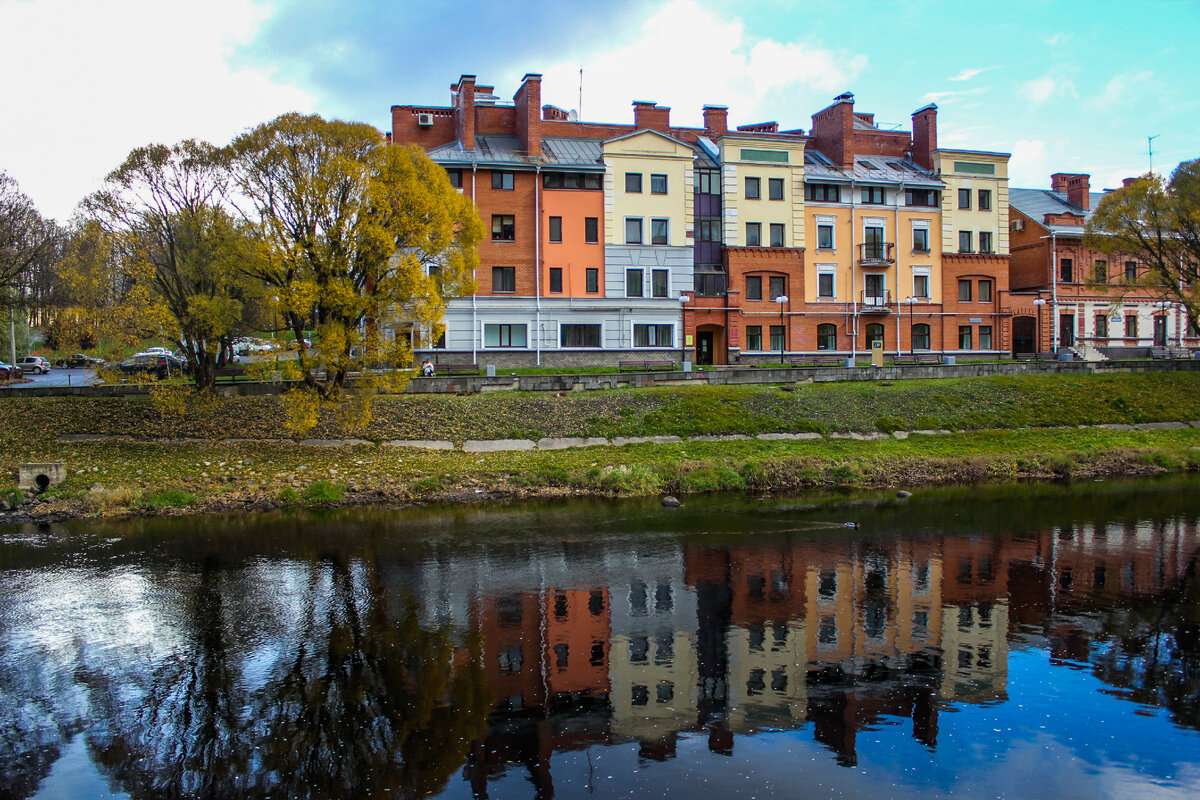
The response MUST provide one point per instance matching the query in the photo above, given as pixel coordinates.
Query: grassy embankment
(1005, 428)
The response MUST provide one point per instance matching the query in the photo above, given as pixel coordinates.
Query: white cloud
(103, 78)
(952, 97)
(1029, 167)
(967, 74)
(1116, 92)
(1053, 85)
(685, 57)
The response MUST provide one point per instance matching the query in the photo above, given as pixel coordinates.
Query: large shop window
(497, 335)
(580, 335)
(653, 335)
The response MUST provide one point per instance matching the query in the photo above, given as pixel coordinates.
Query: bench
(902, 360)
(827, 360)
(456, 369)
(1159, 352)
(929, 358)
(648, 364)
(230, 374)
(1046, 356)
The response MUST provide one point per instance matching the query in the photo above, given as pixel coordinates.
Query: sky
(1064, 86)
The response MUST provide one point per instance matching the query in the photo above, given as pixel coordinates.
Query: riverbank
(234, 453)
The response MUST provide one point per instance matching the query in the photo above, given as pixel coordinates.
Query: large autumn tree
(24, 235)
(167, 204)
(1158, 223)
(360, 234)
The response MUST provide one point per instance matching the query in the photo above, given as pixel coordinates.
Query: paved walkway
(562, 443)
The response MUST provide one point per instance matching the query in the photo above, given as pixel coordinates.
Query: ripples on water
(1032, 641)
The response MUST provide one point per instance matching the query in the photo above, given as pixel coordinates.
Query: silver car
(35, 364)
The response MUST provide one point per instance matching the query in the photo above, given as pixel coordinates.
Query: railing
(876, 254)
(876, 303)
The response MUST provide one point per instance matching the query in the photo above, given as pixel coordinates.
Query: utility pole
(1150, 149)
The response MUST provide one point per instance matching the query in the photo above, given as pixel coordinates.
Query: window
(1066, 270)
(964, 199)
(502, 180)
(708, 229)
(920, 240)
(777, 234)
(1130, 271)
(754, 337)
(579, 335)
(503, 335)
(633, 182)
(571, 180)
(1100, 271)
(1102, 326)
(777, 341)
(659, 231)
(964, 337)
(921, 197)
(872, 195)
(752, 189)
(985, 199)
(985, 241)
(964, 291)
(920, 285)
(556, 229)
(592, 280)
(455, 176)
(658, 184)
(823, 192)
(708, 181)
(658, 282)
(964, 242)
(633, 283)
(504, 228)
(591, 230)
(985, 291)
(504, 279)
(775, 189)
(985, 337)
(709, 281)
(825, 285)
(1131, 326)
(874, 334)
(827, 336)
(824, 237)
(653, 335)
(920, 336)
(754, 287)
(633, 230)
(556, 280)
(777, 285)
(753, 234)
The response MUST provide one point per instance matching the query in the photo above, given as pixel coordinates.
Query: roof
(869, 169)
(1037, 203)
(508, 150)
(557, 151)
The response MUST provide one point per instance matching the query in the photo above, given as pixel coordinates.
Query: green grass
(171, 498)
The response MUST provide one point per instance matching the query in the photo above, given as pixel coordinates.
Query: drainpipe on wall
(1054, 291)
(537, 256)
(896, 234)
(853, 270)
(474, 291)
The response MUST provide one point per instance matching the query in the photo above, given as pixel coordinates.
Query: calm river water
(1019, 642)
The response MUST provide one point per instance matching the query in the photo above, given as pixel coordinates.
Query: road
(56, 377)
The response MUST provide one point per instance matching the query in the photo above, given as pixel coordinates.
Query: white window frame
(874, 222)
(832, 223)
(827, 269)
(674, 334)
(921, 272)
(483, 326)
(921, 225)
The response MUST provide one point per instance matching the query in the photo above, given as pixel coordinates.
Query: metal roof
(583, 153)
(869, 169)
(1037, 203)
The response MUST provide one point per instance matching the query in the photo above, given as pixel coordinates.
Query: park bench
(929, 358)
(231, 374)
(1043, 356)
(456, 369)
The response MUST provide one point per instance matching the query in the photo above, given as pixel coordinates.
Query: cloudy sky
(1063, 86)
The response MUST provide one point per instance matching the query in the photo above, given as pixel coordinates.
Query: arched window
(920, 336)
(874, 334)
(827, 336)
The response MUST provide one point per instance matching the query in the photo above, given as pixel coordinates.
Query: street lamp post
(1037, 344)
(910, 301)
(781, 299)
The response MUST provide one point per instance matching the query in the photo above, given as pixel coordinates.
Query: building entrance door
(1160, 331)
(1066, 330)
(704, 347)
(1024, 335)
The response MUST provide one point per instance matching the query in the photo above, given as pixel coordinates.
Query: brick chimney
(463, 101)
(1077, 187)
(528, 101)
(924, 135)
(555, 113)
(833, 130)
(716, 119)
(652, 116)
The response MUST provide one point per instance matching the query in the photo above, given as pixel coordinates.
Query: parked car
(8, 372)
(79, 360)
(34, 364)
(156, 351)
(157, 366)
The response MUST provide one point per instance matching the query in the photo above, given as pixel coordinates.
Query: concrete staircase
(1086, 352)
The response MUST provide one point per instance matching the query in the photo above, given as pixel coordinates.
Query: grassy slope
(1014, 420)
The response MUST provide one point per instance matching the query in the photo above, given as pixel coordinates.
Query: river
(1020, 641)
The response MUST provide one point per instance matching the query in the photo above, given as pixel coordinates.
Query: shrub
(172, 498)
(889, 424)
(321, 492)
(711, 479)
(289, 495)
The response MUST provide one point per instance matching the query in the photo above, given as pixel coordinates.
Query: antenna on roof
(1150, 149)
(581, 92)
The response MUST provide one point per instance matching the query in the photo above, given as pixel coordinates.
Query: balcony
(876, 254)
(875, 303)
